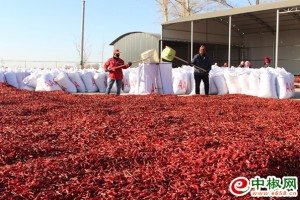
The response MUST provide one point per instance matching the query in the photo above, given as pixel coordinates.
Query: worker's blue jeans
(111, 83)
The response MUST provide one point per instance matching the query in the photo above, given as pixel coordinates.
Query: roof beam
(262, 22)
(226, 23)
(292, 12)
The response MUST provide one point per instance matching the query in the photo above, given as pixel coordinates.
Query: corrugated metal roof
(120, 37)
(238, 11)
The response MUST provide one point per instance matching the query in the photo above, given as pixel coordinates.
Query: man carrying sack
(201, 60)
(115, 74)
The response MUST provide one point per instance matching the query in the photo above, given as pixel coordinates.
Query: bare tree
(179, 8)
(86, 54)
(165, 9)
(164, 4)
(224, 3)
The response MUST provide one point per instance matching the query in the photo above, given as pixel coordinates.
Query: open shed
(247, 33)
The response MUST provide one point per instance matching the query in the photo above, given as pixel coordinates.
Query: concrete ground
(297, 94)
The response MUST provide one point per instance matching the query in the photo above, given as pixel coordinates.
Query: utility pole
(257, 2)
(103, 46)
(82, 35)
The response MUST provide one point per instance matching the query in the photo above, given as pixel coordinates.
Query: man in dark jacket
(202, 61)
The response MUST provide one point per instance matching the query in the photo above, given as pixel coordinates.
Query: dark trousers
(110, 85)
(198, 78)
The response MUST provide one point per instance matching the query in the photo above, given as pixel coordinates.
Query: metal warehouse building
(132, 44)
(248, 33)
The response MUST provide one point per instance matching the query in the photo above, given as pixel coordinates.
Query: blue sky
(51, 29)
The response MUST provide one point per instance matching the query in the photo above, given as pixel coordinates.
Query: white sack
(133, 80)
(267, 87)
(232, 81)
(164, 78)
(190, 78)
(254, 83)
(31, 80)
(220, 83)
(46, 83)
(101, 81)
(192, 86)
(26, 87)
(179, 81)
(202, 88)
(244, 83)
(89, 82)
(216, 71)
(212, 86)
(2, 77)
(65, 83)
(285, 85)
(126, 81)
(76, 79)
(20, 77)
(11, 79)
(147, 78)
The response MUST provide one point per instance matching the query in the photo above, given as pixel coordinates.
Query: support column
(277, 39)
(192, 39)
(229, 43)
(161, 44)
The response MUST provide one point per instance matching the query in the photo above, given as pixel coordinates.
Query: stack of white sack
(161, 78)
(150, 78)
(183, 80)
(263, 82)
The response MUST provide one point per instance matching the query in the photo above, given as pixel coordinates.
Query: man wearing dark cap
(115, 74)
(202, 61)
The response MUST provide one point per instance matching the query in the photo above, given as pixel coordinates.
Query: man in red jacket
(115, 74)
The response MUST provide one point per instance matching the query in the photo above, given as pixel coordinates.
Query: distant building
(132, 44)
